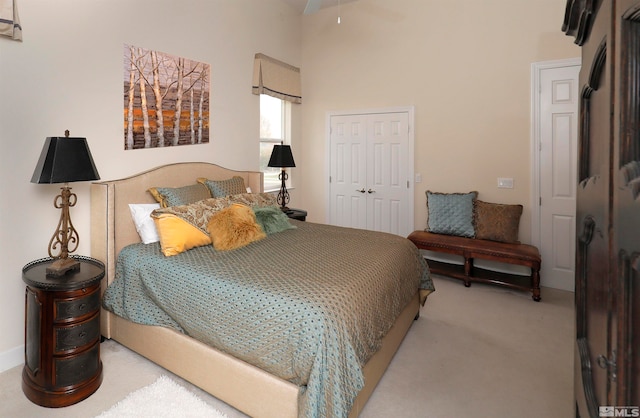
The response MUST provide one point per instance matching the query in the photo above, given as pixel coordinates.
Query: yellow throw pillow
(177, 235)
(234, 227)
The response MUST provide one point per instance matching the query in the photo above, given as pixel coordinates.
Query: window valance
(9, 20)
(276, 78)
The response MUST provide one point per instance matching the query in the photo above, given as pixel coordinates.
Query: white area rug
(163, 398)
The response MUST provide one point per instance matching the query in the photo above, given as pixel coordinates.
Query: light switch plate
(505, 183)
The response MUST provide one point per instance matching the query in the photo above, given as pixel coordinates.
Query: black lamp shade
(65, 160)
(281, 156)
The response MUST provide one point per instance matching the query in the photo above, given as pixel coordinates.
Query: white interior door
(348, 160)
(387, 172)
(371, 168)
(559, 98)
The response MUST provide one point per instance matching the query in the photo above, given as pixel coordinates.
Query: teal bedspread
(309, 305)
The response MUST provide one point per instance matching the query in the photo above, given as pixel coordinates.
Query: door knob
(609, 364)
(370, 191)
(361, 191)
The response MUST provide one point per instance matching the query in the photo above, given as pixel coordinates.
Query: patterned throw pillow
(175, 196)
(497, 222)
(234, 227)
(197, 213)
(451, 213)
(222, 188)
(254, 199)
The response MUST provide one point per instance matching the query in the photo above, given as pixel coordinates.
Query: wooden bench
(471, 248)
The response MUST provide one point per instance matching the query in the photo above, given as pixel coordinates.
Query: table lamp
(64, 160)
(282, 157)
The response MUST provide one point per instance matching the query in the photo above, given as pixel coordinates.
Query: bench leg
(535, 282)
(468, 270)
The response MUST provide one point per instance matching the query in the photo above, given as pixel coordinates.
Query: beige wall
(68, 74)
(463, 64)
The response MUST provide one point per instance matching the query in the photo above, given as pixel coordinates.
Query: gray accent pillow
(451, 213)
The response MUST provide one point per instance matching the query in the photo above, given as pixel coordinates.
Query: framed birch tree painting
(166, 99)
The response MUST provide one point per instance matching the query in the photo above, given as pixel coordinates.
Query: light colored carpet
(482, 351)
(162, 399)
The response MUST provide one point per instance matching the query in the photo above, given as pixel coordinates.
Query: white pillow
(144, 223)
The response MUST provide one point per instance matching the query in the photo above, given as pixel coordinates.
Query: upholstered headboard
(111, 225)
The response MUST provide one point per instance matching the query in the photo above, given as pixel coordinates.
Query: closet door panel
(348, 171)
(387, 174)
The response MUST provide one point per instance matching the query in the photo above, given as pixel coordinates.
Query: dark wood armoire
(607, 345)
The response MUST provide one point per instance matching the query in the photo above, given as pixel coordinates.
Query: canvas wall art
(166, 99)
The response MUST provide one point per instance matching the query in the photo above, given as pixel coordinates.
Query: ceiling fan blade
(312, 6)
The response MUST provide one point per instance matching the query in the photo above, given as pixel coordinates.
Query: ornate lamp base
(65, 234)
(283, 194)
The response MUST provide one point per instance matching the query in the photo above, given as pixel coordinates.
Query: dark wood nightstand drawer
(74, 336)
(75, 308)
(72, 370)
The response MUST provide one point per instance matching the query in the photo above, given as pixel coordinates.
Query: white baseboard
(11, 358)
(568, 284)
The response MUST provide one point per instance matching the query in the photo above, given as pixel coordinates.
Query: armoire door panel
(585, 394)
(629, 145)
(592, 311)
(626, 201)
(592, 78)
(595, 365)
(593, 308)
(628, 360)
(607, 370)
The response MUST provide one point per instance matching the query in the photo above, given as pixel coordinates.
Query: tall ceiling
(299, 5)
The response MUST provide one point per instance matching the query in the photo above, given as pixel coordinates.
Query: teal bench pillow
(451, 213)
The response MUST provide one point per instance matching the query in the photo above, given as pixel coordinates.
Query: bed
(252, 389)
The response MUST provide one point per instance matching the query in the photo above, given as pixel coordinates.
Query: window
(274, 128)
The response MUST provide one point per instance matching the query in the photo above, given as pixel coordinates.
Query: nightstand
(62, 333)
(298, 214)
